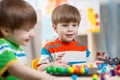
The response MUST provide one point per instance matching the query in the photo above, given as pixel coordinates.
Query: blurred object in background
(108, 39)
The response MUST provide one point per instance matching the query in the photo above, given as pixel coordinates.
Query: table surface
(88, 78)
(85, 78)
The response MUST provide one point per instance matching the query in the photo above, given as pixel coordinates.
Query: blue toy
(74, 77)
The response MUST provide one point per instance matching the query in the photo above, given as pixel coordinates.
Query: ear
(6, 32)
(54, 27)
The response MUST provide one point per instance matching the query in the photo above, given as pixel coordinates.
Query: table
(107, 77)
(84, 78)
(87, 78)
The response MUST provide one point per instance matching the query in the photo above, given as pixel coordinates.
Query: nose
(70, 28)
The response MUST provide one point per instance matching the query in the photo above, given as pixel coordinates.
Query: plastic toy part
(70, 70)
(74, 77)
(112, 61)
(94, 77)
(101, 56)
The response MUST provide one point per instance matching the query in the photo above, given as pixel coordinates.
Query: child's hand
(58, 61)
(101, 56)
(60, 56)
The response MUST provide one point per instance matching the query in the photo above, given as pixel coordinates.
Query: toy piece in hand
(101, 56)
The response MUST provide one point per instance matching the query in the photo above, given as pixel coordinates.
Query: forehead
(67, 23)
(19, 31)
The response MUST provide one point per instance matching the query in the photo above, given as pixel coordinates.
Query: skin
(19, 37)
(66, 31)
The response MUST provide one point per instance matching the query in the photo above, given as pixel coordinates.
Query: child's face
(67, 31)
(21, 37)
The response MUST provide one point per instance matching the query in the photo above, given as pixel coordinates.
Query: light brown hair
(17, 14)
(64, 14)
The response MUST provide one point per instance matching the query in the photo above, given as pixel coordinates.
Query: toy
(115, 61)
(94, 77)
(102, 76)
(101, 56)
(111, 61)
(70, 70)
(74, 77)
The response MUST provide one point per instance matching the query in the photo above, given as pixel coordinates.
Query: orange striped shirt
(75, 52)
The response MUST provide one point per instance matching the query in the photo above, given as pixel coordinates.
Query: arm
(47, 60)
(57, 63)
(26, 73)
(11, 65)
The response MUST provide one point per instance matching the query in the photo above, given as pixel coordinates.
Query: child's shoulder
(52, 43)
(78, 43)
(4, 44)
(2, 41)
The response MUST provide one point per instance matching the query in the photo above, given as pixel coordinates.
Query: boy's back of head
(16, 14)
(64, 14)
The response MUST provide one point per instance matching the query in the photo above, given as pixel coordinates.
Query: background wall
(108, 39)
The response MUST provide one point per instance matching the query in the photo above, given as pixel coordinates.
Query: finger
(98, 53)
(60, 56)
(64, 64)
(103, 54)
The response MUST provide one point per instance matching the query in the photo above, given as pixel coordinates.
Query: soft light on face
(67, 31)
(21, 37)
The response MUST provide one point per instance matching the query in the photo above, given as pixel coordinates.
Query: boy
(65, 50)
(17, 20)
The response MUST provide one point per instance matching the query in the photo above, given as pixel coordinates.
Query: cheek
(21, 36)
(59, 31)
(76, 30)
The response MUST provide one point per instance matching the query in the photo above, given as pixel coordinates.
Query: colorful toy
(115, 61)
(95, 77)
(102, 76)
(74, 77)
(70, 70)
(111, 61)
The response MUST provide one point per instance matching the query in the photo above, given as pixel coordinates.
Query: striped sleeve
(45, 57)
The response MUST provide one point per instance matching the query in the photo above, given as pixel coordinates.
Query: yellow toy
(34, 63)
(92, 17)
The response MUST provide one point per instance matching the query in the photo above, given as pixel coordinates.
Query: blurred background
(99, 28)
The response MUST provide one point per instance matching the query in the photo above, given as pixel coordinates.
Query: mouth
(27, 40)
(69, 35)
